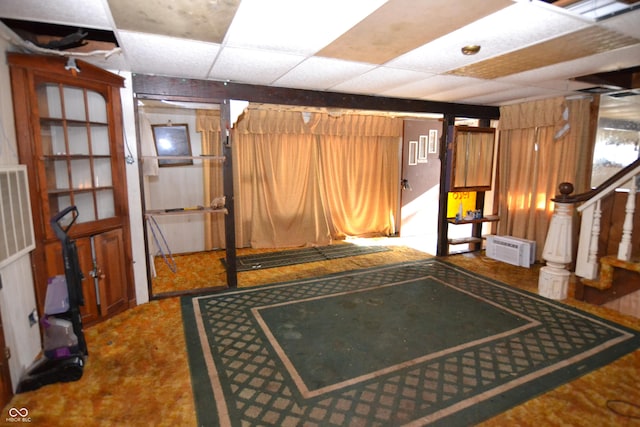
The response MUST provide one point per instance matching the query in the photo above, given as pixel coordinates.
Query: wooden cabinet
(473, 153)
(70, 136)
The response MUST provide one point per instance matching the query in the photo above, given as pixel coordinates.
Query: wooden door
(421, 170)
(55, 266)
(110, 271)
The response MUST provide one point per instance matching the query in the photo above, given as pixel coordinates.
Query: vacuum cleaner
(65, 348)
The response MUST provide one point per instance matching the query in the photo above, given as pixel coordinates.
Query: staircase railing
(587, 255)
(554, 277)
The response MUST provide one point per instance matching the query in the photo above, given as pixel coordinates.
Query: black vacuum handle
(61, 232)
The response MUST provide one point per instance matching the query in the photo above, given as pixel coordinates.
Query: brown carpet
(137, 373)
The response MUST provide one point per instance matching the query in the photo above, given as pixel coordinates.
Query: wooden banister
(554, 277)
(595, 194)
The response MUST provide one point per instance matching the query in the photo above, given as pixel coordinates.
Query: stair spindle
(595, 235)
(624, 249)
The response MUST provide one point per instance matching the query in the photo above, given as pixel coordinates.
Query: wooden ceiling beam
(191, 90)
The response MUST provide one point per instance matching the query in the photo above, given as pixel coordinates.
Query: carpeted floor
(421, 343)
(302, 256)
(137, 373)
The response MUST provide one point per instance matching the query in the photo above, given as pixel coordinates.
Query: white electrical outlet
(33, 317)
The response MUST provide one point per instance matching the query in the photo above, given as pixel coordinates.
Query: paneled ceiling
(529, 49)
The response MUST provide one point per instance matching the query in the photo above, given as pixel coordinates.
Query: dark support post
(445, 167)
(227, 178)
(476, 229)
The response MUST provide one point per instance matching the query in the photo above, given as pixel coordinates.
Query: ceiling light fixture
(470, 49)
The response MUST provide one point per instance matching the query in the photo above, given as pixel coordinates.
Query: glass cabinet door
(76, 150)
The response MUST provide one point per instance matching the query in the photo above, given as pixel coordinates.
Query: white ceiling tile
(252, 66)
(561, 85)
(379, 80)
(424, 88)
(152, 54)
(295, 26)
(517, 94)
(509, 29)
(627, 23)
(84, 13)
(322, 73)
(471, 88)
(608, 61)
(270, 43)
(204, 20)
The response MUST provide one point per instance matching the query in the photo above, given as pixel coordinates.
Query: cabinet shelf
(70, 122)
(74, 156)
(64, 191)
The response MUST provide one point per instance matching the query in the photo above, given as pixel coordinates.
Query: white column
(553, 281)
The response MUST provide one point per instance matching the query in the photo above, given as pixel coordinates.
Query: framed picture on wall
(433, 141)
(172, 144)
(422, 149)
(413, 153)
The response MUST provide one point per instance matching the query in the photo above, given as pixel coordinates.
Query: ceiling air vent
(624, 94)
(599, 89)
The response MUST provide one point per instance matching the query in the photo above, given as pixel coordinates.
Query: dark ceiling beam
(628, 78)
(191, 90)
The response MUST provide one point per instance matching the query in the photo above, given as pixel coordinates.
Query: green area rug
(425, 343)
(303, 255)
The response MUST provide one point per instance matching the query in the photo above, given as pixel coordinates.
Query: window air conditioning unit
(512, 250)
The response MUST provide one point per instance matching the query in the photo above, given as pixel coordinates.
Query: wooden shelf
(475, 240)
(463, 240)
(201, 157)
(183, 211)
(489, 218)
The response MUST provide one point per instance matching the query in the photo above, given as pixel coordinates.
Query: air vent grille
(16, 226)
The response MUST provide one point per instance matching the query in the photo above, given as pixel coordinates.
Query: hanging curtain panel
(535, 157)
(307, 179)
(360, 197)
(208, 124)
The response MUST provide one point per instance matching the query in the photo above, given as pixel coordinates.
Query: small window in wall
(618, 135)
(172, 144)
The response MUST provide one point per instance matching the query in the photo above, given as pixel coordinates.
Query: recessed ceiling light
(470, 49)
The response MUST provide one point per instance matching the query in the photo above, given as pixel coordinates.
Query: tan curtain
(305, 180)
(361, 200)
(535, 157)
(208, 125)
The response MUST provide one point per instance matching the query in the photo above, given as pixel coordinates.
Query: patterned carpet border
(240, 376)
(301, 256)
